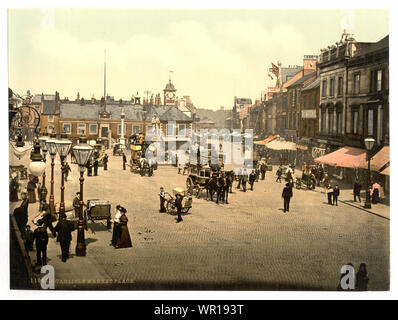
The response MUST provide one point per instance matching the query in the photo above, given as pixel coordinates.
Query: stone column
(334, 121)
(379, 124)
(347, 120)
(327, 121)
(320, 121)
(361, 122)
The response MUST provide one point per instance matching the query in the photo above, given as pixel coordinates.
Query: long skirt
(115, 233)
(14, 196)
(31, 196)
(124, 240)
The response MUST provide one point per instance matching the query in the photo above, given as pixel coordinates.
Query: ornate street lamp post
(52, 149)
(82, 153)
(43, 145)
(37, 166)
(369, 143)
(63, 146)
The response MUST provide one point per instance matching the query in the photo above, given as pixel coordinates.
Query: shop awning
(347, 157)
(379, 160)
(386, 171)
(281, 145)
(265, 141)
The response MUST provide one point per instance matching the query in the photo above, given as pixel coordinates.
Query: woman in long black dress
(124, 240)
(14, 186)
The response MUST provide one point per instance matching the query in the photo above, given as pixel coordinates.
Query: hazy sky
(215, 54)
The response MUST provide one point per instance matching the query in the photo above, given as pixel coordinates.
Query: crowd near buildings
(334, 100)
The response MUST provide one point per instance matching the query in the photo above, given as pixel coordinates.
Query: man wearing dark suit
(64, 230)
(178, 204)
(124, 161)
(263, 170)
(89, 168)
(336, 193)
(46, 219)
(252, 179)
(105, 162)
(357, 191)
(287, 194)
(41, 237)
(96, 167)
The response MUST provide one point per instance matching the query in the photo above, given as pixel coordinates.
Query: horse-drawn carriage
(171, 199)
(307, 180)
(198, 178)
(204, 178)
(142, 162)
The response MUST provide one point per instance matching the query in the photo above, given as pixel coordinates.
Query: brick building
(309, 106)
(294, 103)
(97, 119)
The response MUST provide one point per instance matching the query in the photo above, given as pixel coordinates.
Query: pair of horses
(220, 184)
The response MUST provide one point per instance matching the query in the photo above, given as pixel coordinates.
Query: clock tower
(169, 94)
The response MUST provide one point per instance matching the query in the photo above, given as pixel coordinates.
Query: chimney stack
(310, 64)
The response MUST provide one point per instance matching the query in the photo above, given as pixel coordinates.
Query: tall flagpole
(105, 75)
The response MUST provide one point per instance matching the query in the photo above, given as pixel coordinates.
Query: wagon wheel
(189, 184)
(170, 207)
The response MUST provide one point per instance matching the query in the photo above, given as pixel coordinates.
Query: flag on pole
(275, 69)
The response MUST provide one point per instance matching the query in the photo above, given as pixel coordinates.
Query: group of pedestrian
(251, 178)
(92, 164)
(376, 191)
(333, 194)
(39, 236)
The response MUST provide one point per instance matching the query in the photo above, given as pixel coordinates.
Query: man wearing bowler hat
(287, 194)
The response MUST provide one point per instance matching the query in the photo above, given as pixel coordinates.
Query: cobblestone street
(247, 244)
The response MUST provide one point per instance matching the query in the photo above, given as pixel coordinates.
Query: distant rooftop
(288, 73)
(132, 112)
(313, 84)
(47, 97)
(303, 79)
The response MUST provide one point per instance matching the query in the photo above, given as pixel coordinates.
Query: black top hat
(121, 209)
(287, 185)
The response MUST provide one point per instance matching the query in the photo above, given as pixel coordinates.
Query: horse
(211, 187)
(230, 177)
(223, 188)
(147, 165)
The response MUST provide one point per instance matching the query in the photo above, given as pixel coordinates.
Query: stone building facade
(368, 95)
